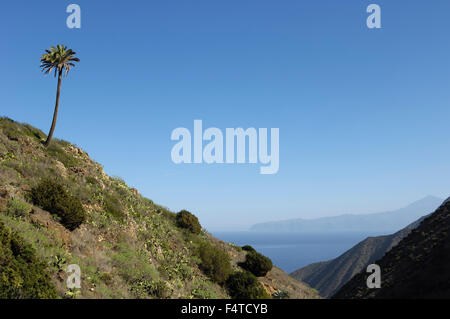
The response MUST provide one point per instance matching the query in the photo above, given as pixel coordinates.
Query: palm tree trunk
(55, 113)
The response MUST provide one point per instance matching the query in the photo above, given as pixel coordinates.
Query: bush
(160, 290)
(244, 285)
(145, 288)
(257, 264)
(189, 221)
(248, 248)
(215, 262)
(22, 275)
(112, 205)
(18, 208)
(53, 198)
(91, 180)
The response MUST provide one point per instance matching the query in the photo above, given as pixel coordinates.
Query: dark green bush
(244, 285)
(189, 221)
(215, 262)
(248, 248)
(22, 275)
(54, 198)
(156, 289)
(257, 264)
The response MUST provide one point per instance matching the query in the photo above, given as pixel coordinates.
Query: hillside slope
(327, 277)
(385, 222)
(415, 268)
(126, 246)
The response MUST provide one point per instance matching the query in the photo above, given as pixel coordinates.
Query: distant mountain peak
(428, 198)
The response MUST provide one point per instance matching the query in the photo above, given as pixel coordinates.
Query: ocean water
(291, 251)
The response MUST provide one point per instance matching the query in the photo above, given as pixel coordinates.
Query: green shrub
(257, 264)
(22, 275)
(145, 288)
(248, 248)
(113, 206)
(91, 180)
(215, 262)
(54, 198)
(18, 208)
(189, 221)
(244, 285)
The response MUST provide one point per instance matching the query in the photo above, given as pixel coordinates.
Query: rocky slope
(127, 246)
(415, 268)
(327, 277)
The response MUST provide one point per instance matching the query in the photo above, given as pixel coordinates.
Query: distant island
(377, 222)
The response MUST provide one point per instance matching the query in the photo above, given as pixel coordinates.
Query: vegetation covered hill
(58, 207)
(415, 268)
(328, 276)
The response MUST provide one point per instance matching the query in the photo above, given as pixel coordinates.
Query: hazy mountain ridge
(417, 267)
(377, 222)
(327, 277)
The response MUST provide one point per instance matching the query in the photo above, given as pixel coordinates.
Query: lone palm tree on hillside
(60, 59)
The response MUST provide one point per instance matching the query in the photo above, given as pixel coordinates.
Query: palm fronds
(59, 59)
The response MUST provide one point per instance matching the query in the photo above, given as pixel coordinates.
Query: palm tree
(60, 59)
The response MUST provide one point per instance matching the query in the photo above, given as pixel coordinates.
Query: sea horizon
(290, 250)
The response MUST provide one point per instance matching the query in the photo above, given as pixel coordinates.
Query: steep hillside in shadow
(415, 268)
(327, 277)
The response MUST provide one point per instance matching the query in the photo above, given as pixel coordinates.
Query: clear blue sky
(363, 114)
